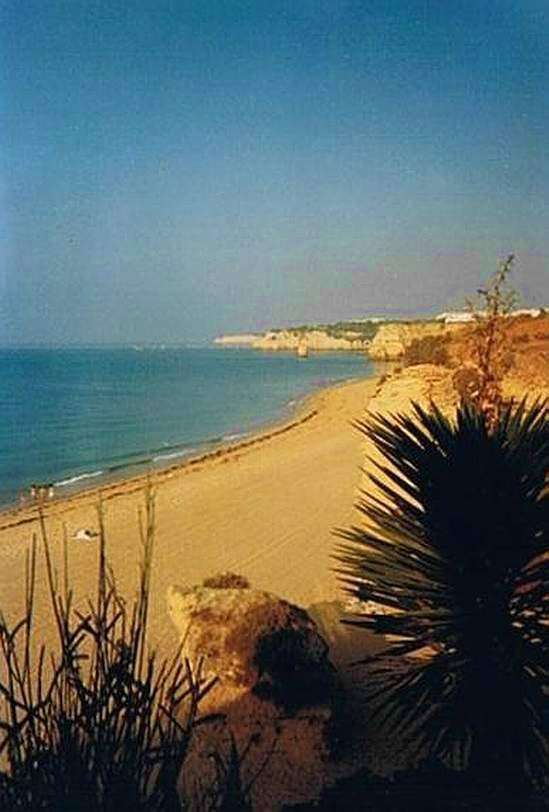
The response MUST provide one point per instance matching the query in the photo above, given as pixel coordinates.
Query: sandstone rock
(391, 340)
(278, 695)
(242, 340)
(316, 340)
(421, 384)
(253, 642)
(289, 340)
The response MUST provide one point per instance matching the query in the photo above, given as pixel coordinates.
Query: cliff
(391, 340)
(314, 340)
(385, 342)
(245, 339)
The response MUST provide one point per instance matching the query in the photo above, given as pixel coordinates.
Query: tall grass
(100, 723)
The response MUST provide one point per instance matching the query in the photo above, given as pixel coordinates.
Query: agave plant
(454, 552)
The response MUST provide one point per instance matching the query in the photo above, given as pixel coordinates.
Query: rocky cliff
(392, 340)
(245, 339)
(314, 340)
(389, 342)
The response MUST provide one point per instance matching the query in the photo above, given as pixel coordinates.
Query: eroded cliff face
(242, 340)
(315, 340)
(388, 344)
(392, 340)
(311, 339)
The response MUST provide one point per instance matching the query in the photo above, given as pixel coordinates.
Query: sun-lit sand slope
(265, 509)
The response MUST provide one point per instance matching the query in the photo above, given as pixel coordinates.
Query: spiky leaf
(454, 551)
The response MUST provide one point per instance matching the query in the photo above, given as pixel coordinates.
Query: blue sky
(170, 170)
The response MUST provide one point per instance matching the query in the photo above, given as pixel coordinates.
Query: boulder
(253, 643)
(277, 696)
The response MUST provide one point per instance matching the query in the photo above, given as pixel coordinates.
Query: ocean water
(72, 416)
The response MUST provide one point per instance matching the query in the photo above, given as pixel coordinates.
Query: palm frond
(453, 550)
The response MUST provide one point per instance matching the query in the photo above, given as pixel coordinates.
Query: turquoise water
(71, 416)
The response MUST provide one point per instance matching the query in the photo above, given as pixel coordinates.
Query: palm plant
(454, 552)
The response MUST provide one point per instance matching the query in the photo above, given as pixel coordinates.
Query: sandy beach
(265, 508)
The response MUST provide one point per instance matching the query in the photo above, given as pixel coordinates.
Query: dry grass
(99, 724)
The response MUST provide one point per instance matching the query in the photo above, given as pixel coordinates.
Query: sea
(75, 417)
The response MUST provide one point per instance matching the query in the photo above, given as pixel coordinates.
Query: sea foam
(78, 478)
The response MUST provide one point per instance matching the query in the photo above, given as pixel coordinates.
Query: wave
(71, 480)
(173, 455)
(228, 438)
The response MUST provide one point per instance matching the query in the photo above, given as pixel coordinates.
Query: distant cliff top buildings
(371, 319)
(457, 317)
(464, 316)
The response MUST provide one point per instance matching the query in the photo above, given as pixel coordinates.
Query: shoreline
(168, 407)
(265, 508)
(295, 414)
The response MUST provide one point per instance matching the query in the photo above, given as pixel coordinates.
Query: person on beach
(33, 492)
(50, 490)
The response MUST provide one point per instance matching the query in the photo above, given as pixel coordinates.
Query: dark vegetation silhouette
(100, 724)
(457, 553)
(453, 548)
(490, 349)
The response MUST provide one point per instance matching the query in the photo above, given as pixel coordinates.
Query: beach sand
(265, 508)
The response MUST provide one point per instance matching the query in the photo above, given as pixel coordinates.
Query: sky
(171, 170)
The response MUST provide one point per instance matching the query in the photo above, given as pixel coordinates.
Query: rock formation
(243, 340)
(276, 689)
(316, 340)
(392, 340)
(290, 340)
(389, 342)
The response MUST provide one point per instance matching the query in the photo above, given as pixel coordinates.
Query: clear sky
(174, 169)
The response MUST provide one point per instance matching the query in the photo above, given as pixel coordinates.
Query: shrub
(226, 580)
(490, 347)
(457, 551)
(466, 382)
(363, 330)
(426, 350)
(522, 338)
